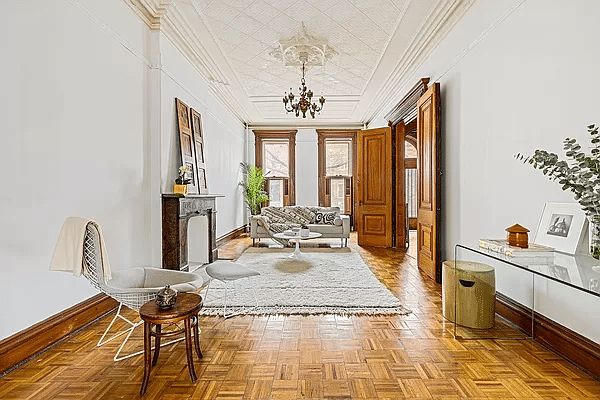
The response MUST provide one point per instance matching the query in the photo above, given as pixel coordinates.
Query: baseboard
(576, 348)
(22, 345)
(231, 235)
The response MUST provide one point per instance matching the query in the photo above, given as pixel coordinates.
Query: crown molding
(177, 28)
(150, 11)
(168, 17)
(406, 109)
(430, 34)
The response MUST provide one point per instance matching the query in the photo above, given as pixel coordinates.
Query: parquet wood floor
(313, 357)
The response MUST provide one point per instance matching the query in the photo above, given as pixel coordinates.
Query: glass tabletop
(579, 271)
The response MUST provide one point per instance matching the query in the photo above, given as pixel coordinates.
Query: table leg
(188, 348)
(156, 344)
(147, 356)
(197, 338)
(296, 253)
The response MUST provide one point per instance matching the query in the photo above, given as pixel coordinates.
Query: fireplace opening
(198, 253)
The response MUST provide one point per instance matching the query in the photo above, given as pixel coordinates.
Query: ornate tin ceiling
(368, 49)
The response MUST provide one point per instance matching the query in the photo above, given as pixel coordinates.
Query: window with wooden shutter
(275, 154)
(337, 155)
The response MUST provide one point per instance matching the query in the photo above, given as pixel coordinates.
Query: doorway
(414, 127)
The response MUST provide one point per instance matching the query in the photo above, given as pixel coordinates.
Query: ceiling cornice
(168, 17)
(150, 11)
(184, 37)
(430, 34)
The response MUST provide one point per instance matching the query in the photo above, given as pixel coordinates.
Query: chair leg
(158, 328)
(225, 302)
(207, 288)
(127, 331)
(197, 338)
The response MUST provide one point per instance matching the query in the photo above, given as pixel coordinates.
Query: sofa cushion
(325, 217)
(325, 229)
(288, 214)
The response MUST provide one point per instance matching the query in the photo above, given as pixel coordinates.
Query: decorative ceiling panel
(248, 33)
(379, 45)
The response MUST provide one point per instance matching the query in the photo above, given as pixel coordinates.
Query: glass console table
(580, 272)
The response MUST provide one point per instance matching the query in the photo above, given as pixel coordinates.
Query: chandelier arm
(304, 101)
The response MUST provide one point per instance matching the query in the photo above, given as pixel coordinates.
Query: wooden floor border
(28, 342)
(231, 235)
(574, 347)
(19, 347)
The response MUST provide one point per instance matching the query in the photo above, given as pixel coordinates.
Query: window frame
(260, 136)
(323, 135)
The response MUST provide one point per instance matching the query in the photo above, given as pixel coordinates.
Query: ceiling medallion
(303, 49)
(305, 103)
(316, 50)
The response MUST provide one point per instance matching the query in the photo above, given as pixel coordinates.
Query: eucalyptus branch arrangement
(580, 173)
(253, 184)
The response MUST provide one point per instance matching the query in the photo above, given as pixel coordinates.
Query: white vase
(594, 226)
(304, 232)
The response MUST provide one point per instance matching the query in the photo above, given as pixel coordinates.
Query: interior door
(374, 187)
(428, 182)
(401, 216)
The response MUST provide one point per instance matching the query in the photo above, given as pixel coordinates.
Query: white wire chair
(131, 287)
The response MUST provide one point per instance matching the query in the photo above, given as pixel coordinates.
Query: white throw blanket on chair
(68, 253)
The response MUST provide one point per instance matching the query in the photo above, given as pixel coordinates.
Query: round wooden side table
(185, 309)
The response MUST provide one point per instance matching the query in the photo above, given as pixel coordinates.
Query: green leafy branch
(253, 185)
(580, 173)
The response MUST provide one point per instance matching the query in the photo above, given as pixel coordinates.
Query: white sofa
(339, 229)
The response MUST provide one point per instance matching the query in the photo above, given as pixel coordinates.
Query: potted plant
(580, 174)
(182, 180)
(253, 185)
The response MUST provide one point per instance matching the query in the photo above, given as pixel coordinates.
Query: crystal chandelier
(304, 103)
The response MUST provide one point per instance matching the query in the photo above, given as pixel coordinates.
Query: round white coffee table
(297, 238)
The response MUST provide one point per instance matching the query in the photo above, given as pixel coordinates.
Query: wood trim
(399, 177)
(322, 135)
(574, 347)
(406, 109)
(30, 341)
(290, 135)
(231, 235)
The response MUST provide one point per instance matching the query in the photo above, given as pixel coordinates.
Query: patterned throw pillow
(315, 210)
(288, 215)
(325, 218)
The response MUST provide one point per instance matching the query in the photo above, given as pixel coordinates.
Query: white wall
(224, 143)
(515, 76)
(81, 136)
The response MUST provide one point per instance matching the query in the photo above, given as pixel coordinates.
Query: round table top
(283, 235)
(469, 266)
(186, 304)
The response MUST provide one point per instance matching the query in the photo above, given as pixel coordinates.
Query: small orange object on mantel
(517, 236)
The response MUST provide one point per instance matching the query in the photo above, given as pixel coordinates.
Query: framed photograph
(561, 226)
(186, 142)
(198, 138)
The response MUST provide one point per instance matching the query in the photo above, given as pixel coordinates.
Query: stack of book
(535, 254)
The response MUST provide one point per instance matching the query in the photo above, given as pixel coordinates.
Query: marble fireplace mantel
(176, 212)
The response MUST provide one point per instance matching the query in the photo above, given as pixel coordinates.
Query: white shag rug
(335, 281)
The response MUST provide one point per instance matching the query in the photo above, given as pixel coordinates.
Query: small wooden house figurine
(517, 236)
